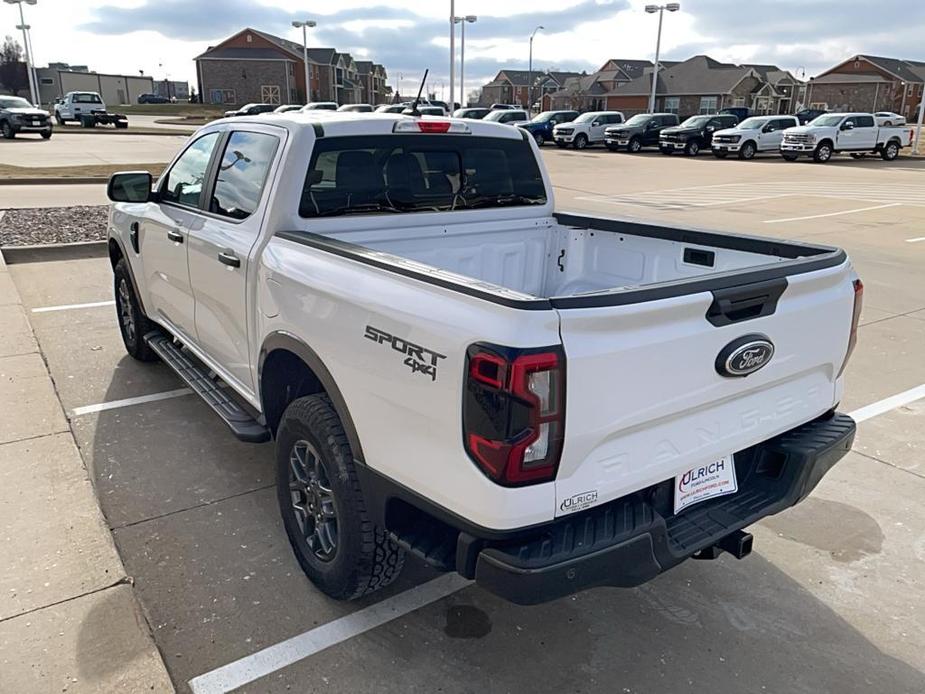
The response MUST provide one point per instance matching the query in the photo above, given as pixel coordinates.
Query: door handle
(230, 259)
(175, 236)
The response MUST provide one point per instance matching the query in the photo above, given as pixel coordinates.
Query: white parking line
(832, 214)
(68, 307)
(276, 657)
(116, 404)
(916, 240)
(269, 660)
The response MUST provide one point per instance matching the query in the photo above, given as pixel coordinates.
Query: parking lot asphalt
(832, 599)
(75, 149)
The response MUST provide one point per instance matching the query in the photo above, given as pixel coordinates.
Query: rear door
(866, 131)
(645, 400)
(221, 243)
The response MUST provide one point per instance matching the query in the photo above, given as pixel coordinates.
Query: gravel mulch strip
(44, 225)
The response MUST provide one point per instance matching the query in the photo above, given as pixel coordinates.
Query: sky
(161, 37)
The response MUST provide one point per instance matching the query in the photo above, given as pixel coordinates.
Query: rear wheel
(322, 505)
(747, 151)
(581, 141)
(634, 146)
(133, 323)
(890, 152)
(692, 149)
(823, 153)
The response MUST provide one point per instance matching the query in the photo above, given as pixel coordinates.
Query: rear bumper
(631, 540)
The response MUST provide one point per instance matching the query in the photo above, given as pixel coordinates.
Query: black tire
(357, 558)
(7, 130)
(59, 119)
(822, 153)
(133, 323)
(719, 154)
(46, 135)
(121, 125)
(789, 156)
(890, 151)
(540, 139)
(692, 149)
(666, 151)
(634, 145)
(747, 151)
(580, 141)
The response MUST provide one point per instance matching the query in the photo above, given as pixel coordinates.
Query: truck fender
(301, 372)
(116, 253)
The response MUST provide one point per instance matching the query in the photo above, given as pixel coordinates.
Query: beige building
(115, 89)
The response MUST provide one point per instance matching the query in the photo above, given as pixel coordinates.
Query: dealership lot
(831, 599)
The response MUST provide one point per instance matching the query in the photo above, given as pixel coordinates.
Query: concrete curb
(53, 181)
(87, 598)
(55, 251)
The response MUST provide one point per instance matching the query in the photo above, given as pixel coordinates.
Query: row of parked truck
(857, 134)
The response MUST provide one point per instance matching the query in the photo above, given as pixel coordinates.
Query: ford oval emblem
(744, 355)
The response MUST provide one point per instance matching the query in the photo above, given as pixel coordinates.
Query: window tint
(86, 99)
(864, 122)
(242, 173)
(412, 173)
(184, 181)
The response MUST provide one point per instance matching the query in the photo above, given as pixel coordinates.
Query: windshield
(696, 122)
(545, 116)
(86, 98)
(586, 117)
(14, 102)
(417, 172)
(498, 114)
(752, 123)
(827, 121)
(639, 119)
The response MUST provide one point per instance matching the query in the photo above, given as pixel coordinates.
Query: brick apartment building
(869, 83)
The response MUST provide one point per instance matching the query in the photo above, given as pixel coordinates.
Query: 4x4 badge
(744, 355)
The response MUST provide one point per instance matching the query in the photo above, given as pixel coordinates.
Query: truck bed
(568, 260)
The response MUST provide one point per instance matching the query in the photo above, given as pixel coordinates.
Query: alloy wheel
(126, 313)
(313, 500)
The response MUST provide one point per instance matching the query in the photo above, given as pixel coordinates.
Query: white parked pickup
(751, 136)
(855, 133)
(538, 400)
(587, 129)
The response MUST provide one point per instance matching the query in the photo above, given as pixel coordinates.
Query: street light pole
(530, 70)
(305, 26)
(651, 9)
(27, 46)
(452, 47)
(470, 18)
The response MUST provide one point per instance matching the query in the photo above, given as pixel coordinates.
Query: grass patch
(8, 171)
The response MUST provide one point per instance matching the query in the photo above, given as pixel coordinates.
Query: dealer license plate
(705, 482)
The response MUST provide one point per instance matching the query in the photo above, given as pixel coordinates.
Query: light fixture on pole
(530, 69)
(27, 46)
(470, 18)
(652, 9)
(305, 26)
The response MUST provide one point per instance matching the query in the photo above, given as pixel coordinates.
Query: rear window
(87, 98)
(419, 172)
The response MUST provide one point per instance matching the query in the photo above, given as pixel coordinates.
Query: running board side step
(241, 423)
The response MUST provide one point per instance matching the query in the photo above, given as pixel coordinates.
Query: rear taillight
(514, 412)
(855, 318)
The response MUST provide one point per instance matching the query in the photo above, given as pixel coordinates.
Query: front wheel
(7, 130)
(634, 146)
(747, 151)
(823, 153)
(580, 142)
(59, 119)
(540, 139)
(890, 152)
(46, 135)
(133, 323)
(692, 149)
(322, 505)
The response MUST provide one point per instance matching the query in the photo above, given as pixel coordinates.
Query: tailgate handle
(745, 302)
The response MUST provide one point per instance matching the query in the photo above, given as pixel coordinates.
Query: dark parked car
(542, 124)
(251, 110)
(642, 130)
(19, 116)
(808, 114)
(739, 112)
(473, 113)
(152, 99)
(507, 106)
(694, 134)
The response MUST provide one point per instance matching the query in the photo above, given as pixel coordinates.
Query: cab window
(864, 122)
(242, 174)
(183, 183)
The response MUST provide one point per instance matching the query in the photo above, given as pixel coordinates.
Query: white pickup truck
(541, 401)
(854, 133)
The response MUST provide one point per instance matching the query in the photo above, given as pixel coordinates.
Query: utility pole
(452, 47)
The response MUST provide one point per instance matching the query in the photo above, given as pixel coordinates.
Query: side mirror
(768, 128)
(594, 124)
(130, 186)
(848, 126)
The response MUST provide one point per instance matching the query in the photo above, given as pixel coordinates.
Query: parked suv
(753, 135)
(542, 125)
(19, 116)
(587, 129)
(694, 134)
(642, 130)
(510, 116)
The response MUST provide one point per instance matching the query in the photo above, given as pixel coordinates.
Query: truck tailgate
(645, 399)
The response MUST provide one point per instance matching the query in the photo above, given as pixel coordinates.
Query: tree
(13, 75)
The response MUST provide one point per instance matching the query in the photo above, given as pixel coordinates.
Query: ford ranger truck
(854, 133)
(541, 401)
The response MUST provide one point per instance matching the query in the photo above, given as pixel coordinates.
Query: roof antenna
(414, 105)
